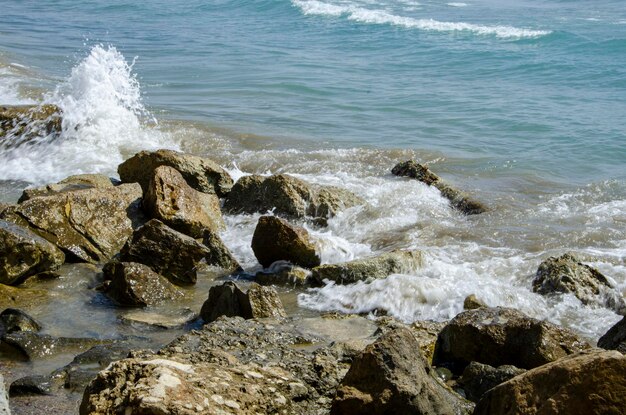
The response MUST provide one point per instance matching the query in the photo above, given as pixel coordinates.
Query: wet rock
(275, 239)
(219, 255)
(615, 338)
(32, 385)
(18, 297)
(24, 254)
(136, 285)
(457, 199)
(12, 320)
(479, 378)
(502, 336)
(90, 225)
(229, 300)
(3, 207)
(565, 274)
(394, 262)
(590, 382)
(168, 252)
(426, 333)
(22, 123)
(84, 367)
(284, 274)
(170, 199)
(391, 376)
(202, 174)
(4, 399)
(472, 302)
(36, 346)
(71, 183)
(160, 320)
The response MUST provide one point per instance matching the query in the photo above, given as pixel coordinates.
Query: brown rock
(472, 302)
(276, 239)
(20, 297)
(284, 275)
(479, 378)
(76, 182)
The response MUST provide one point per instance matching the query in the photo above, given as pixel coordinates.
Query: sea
(520, 103)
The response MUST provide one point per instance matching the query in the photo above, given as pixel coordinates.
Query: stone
(167, 319)
(22, 123)
(367, 269)
(4, 399)
(472, 302)
(170, 199)
(426, 333)
(275, 239)
(391, 376)
(36, 346)
(76, 182)
(136, 285)
(12, 320)
(202, 174)
(89, 225)
(565, 274)
(615, 338)
(478, 378)
(457, 199)
(23, 254)
(14, 297)
(229, 300)
(590, 382)
(285, 274)
(219, 255)
(502, 336)
(32, 385)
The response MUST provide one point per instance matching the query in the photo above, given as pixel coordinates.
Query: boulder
(36, 346)
(275, 239)
(615, 338)
(136, 285)
(202, 174)
(457, 199)
(394, 262)
(391, 376)
(22, 123)
(4, 399)
(219, 255)
(565, 274)
(229, 300)
(479, 378)
(472, 302)
(24, 254)
(170, 199)
(502, 336)
(89, 225)
(12, 320)
(590, 382)
(76, 182)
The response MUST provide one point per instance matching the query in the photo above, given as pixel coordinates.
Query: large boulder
(391, 376)
(24, 253)
(565, 274)
(202, 174)
(89, 225)
(21, 123)
(615, 338)
(503, 336)
(76, 182)
(275, 239)
(590, 382)
(457, 199)
(381, 266)
(229, 300)
(479, 378)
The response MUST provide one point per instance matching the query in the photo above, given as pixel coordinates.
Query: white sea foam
(457, 4)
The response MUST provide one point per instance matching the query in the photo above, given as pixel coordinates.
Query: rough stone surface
(479, 378)
(229, 300)
(391, 376)
(502, 336)
(22, 123)
(457, 199)
(36, 346)
(18, 297)
(219, 255)
(565, 274)
(202, 174)
(91, 225)
(590, 382)
(24, 254)
(76, 182)
(284, 274)
(472, 302)
(4, 399)
(275, 239)
(615, 338)
(136, 285)
(12, 320)
(394, 262)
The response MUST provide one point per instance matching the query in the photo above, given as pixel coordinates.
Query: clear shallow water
(521, 103)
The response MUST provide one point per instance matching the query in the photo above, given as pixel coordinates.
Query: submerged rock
(202, 174)
(479, 378)
(36, 346)
(615, 338)
(394, 262)
(22, 123)
(76, 182)
(565, 274)
(12, 320)
(24, 254)
(284, 274)
(457, 199)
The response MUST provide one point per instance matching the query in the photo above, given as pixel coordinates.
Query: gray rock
(36, 346)
(71, 183)
(615, 338)
(284, 274)
(32, 385)
(479, 378)
(4, 399)
(12, 320)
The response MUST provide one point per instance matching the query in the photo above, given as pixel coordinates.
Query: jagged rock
(615, 338)
(35, 346)
(170, 199)
(24, 254)
(457, 199)
(479, 378)
(391, 376)
(219, 255)
(229, 300)
(394, 262)
(91, 225)
(284, 274)
(289, 197)
(275, 239)
(4, 399)
(472, 302)
(20, 124)
(76, 182)
(590, 382)
(17, 297)
(502, 336)
(565, 274)
(202, 174)
(12, 320)
(133, 284)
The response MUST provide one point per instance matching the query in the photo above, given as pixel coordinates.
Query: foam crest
(9, 87)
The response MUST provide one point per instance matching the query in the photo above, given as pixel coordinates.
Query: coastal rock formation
(76, 182)
(479, 378)
(565, 274)
(590, 382)
(89, 225)
(502, 336)
(391, 376)
(15, 297)
(615, 338)
(22, 123)
(171, 200)
(13, 320)
(457, 199)
(136, 285)
(229, 300)
(219, 255)
(24, 254)
(394, 262)
(36, 346)
(275, 239)
(284, 274)
(202, 174)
